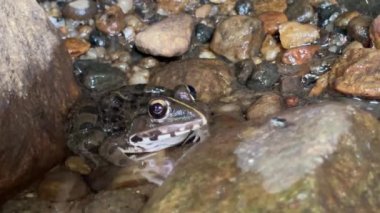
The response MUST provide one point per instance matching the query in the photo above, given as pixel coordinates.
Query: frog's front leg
(112, 150)
(85, 143)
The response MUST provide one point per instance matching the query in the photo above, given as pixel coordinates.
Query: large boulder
(320, 158)
(36, 89)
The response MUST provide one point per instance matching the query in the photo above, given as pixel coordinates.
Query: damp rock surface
(36, 90)
(297, 161)
(211, 78)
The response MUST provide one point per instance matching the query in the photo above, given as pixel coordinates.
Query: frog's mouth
(165, 136)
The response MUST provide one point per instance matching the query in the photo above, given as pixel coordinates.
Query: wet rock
(294, 163)
(243, 70)
(270, 48)
(356, 73)
(243, 7)
(78, 165)
(300, 11)
(98, 39)
(98, 77)
(203, 33)
(146, 9)
(326, 12)
(299, 55)
(203, 11)
(36, 90)
(125, 5)
(264, 108)
(293, 34)
(292, 101)
(120, 201)
(262, 6)
(272, 20)
(358, 28)
(291, 85)
(112, 21)
(169, 37)
(299, 70)
(172, 6)
(62, 185)
(237, 38)
(79, 9)
(345, 18)
(264, 76)
(138, 75)
(375, 32)
(210, 78)
(76, 47)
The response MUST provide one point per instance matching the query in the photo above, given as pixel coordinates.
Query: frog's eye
(192, 91)
(158, 108)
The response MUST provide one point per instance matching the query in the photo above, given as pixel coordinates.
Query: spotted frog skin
(124, 124)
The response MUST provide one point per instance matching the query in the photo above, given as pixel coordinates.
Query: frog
(127, 124)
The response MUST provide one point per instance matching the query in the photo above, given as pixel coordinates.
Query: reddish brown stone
(375, 32)
(292, 101)
(272, 20)
(299, 55)
(112, 21)
(37, 88)
(76, 47)
(172, 6)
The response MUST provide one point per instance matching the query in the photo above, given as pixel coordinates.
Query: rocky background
(292, 87)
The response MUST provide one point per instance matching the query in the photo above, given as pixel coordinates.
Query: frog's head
(169, 121)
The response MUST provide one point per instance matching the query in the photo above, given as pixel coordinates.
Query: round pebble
(203, 33)
(243, 7)
(112, 21)
(293, 34)
(79, 9)
(358, 28)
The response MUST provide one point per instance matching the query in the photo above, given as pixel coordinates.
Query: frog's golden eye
(158, 108)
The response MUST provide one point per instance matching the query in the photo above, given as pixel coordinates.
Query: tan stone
(294, 34)
(169, 37)
(262, 6)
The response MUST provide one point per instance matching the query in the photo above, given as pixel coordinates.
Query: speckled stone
(238, 38)
(293, 34)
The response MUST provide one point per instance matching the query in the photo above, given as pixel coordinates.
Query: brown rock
(357, 73)
(264, 108)
(293, 34)
(169, 37)
(112, 21)
(262, 6)
(37, 88)
(345, 18)
(270, 48)
(238, 38)
(62, 185)
(320, 157)
(78, 164)
(172, 6)
(79, 9)
(375, 32)
(203, 11)
(292, 101)
(358, 28)
(291, 85)
(272, 20)
(211, 78)
(299, 55)
(320, 86)
(76, 47)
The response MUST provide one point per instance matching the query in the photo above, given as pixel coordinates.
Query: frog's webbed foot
(111, 151)
(85, 144)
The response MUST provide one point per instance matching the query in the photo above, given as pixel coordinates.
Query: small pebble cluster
(248, 58)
